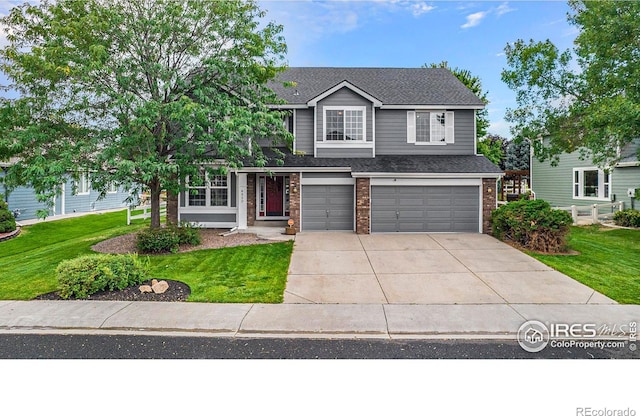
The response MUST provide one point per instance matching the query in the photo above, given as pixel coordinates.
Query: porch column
(294, 199)
(242, 201)
(489, 202)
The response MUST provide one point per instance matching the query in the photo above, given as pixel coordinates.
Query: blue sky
(410, 33)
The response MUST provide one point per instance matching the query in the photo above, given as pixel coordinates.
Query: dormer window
(344, 123)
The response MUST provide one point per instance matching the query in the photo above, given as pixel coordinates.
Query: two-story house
(375, 150)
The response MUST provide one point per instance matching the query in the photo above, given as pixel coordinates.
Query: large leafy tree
(474, 83)
(137, 92)
(493, 147)
(587, 99)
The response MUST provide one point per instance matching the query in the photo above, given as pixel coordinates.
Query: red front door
(275, 187)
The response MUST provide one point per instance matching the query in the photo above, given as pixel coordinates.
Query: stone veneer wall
(251, 199)
(488, 203)
(294, 199)
(363, 205)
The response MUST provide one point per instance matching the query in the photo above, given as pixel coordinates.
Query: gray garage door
(425, 209)
(327, 207)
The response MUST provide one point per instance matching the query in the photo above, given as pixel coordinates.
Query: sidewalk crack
(114, 313)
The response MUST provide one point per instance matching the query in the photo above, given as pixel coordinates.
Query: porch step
(278, 223)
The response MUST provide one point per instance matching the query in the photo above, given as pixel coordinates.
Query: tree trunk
(172, 208)
(155, 202)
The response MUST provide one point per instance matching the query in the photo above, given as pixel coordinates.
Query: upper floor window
(206, 190)
(344, 123)
(591, 183)
(430, 127)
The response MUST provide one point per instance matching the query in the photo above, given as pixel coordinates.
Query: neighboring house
(375, 150)
(580, 182)
(23, 202)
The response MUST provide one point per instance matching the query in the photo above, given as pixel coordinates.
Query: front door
(273, 197)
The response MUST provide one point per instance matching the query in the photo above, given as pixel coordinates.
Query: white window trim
(344, 108)
(601, 183)
(207, 187)
(449, 127)
(84, 184)
(111, 190)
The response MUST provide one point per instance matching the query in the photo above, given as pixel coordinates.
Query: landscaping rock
(160, 287)
(146, 289)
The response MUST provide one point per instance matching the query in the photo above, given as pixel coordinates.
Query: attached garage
(327, 207)
(425, 209)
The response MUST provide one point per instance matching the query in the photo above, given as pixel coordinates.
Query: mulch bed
(177, 292)
(211, 238)
(10, 235)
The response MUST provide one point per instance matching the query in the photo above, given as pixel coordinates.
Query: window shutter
(411, 126)
(449, 131)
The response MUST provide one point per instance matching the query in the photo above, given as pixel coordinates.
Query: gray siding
(207, 217)
(344, 97)
(554, 184)
(623, 179)
(25, 200)
(304, 131)
(391, 135)
(344, 152)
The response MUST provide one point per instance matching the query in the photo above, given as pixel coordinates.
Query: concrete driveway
(424, 269)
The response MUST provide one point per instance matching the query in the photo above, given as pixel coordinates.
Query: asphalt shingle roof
(395, 163)
(392, 86)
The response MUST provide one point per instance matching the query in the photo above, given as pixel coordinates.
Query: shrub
(627, 218)
(85, 275)
(532, 224)
(7, 220)
(167, 240)
(158, 240)
(187, 233)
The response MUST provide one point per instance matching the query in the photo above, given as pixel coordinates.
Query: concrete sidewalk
(301, 320)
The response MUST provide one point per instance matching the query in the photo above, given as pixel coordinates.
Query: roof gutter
(628, 164)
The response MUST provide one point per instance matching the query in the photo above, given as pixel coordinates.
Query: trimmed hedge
(533, 225)
(627, 218)
(86, 275)
(7, 220)
(168, 239)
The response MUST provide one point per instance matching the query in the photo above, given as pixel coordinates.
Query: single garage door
(425, 209)
(327, 207)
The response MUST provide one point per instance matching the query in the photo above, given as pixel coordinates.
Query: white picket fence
(592, 214)
(146, 212)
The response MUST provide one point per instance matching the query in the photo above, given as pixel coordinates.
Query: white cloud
(474, 19)
(504, 8)
(500, 54)
(418, 9)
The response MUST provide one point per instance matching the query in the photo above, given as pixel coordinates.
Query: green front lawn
(246, 274)
(609, 261)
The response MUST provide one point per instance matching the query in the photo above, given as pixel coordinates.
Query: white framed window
(430, 127)
(591, 183)
(83, 185)
(112, 188)
(208, 190)
(344, 124)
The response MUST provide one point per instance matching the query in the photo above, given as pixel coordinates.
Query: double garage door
(425, 209)
(394, 208)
